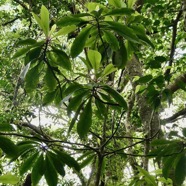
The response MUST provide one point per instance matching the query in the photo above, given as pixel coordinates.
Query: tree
(110, 68)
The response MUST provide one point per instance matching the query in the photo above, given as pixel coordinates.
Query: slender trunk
(99, 169)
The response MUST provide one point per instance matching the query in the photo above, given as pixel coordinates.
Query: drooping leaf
(150, 179)
(9, 179)
(123, 30)
(74, 119)
(180, 170)
(95, 59)
(87, 161)
(140, 32)
(8, 147)
(58, 164)
(120, 12)
(50, 80)
(158, 142)
(120, 57)
(85, 120)
(68, 160)
(62, 59)
(49, 97)
(101, 107)
(109, 69)
(168, 164)
(113, 93)
(32, 79)
(50, 173)
(79, 42)
(111, 40)
(28, 163)
(38, 170)
(76, 100)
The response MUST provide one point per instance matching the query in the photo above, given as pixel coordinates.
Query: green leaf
(168, 163)
(87, 161)
(62, 59)
(40, 23)
(79, 42)
(50, 80)
(120, 57)
(38, 170)
(9, 179)
(180, 171)
(50, 173)
(139, 30)
(68, 160)
(33, 54)
(111, 40)
(113, 93)
(77, 99)
(140, 89)
(8, 147)
(116, 3)
(183, 131)
(150, 179)
(32, 79)
(131, 3)
(100, 107)
(45, 19)
(24, 42)
(21, 52)
(6, 127)
(28, 163)
(108, 70)
(85, 120)
(95, 59)
(49, 97)
(73, 87)
(74, 119)
(86, 62)
(70, 20)
(52, 30)
(120, 12)
(123, 30)
(159, 142)
(58, 164)
(144, 79)
(65, 30)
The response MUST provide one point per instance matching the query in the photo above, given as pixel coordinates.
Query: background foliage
(103, 74)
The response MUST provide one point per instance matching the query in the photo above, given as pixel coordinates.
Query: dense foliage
(85, 86)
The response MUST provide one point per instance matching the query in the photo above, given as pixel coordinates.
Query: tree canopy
(86, 85)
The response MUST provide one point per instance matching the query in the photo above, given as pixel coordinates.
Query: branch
(175, 116)
(11, 21)
(173, 43)
(22, 4)
(132, 145)
(176, 84)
